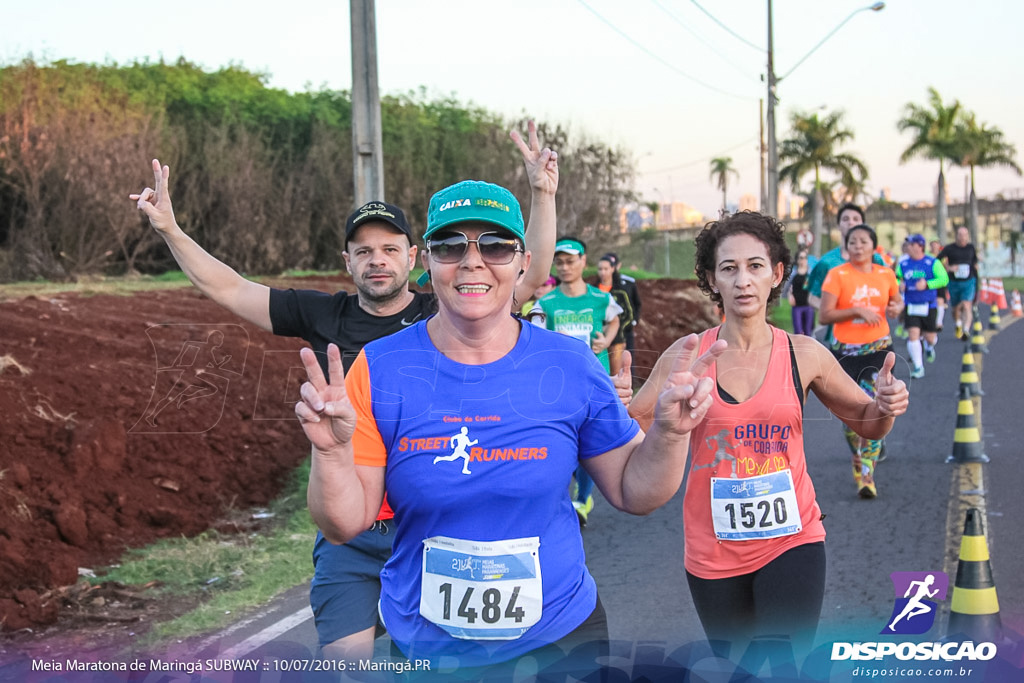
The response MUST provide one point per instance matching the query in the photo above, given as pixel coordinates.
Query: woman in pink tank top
(755, 554)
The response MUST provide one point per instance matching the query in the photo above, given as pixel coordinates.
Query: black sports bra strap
(797, 384)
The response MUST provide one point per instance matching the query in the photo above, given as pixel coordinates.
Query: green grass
(224, 574)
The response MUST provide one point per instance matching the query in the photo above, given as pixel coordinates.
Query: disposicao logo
(917, 595)
(915, 606)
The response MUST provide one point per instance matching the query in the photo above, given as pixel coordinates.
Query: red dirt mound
(129, 419)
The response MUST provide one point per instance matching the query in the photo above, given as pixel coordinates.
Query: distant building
(886, 194)
(678, 215)
(749, 202)
(796, 207)
(635, 217)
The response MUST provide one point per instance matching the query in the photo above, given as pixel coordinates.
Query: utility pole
(367, 145)
(773, 150)
(764, 150)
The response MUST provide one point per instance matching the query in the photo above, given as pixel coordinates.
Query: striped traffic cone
(1015, 305)
(969, 376)
(974, 610)
(993, 318)
(978, 337)
(967, 444)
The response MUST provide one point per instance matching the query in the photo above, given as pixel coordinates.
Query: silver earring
(715, 290)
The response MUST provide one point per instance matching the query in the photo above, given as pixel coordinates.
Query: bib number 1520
(762, 514)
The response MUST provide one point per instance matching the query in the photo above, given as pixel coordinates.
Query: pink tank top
(749, 498)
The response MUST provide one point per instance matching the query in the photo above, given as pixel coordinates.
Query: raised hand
(541, 164)
(891, 394)
(623, 380)
(686, 396)
(325, 413)
(156, 203)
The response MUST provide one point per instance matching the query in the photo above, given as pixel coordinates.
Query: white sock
(939, 315)
(914, 351)
(927, 346)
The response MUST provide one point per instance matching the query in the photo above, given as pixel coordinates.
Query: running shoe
(583, 509)
(960, 331)
(866, 485)
(917, 373)
(901, 332)
(929, 354)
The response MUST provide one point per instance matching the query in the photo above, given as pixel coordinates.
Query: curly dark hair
(759, 226)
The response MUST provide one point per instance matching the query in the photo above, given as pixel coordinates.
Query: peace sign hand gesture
(325, 413)
(156, 203)
(541, 164)
(686, 396)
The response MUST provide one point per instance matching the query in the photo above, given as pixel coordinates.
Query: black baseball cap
(378, 212)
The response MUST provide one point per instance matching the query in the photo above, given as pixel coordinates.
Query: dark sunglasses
(494, 249)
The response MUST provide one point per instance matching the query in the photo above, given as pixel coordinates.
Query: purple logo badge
(916, 598)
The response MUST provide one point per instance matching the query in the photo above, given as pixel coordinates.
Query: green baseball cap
(569, 247)
(475, 200)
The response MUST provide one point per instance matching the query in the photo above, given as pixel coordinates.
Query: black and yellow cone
(978, 337)
(974, 611)
(969, 376)
(993, 318)
(967, 446)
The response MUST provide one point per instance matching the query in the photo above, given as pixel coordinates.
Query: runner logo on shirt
(459, 442)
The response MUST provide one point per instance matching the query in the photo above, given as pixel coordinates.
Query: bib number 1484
(487, 606)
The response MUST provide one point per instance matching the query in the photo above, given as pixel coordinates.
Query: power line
(654, 56)
(742, 70)
(698, 161)
(727, 29)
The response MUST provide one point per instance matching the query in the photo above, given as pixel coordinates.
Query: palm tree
(721, 169)
(981, 145)
(934, 130)
(813, 146)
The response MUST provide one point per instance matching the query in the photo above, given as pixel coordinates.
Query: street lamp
(773, 150)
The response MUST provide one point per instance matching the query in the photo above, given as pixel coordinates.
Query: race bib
(962, 271)
(755, 507)
(482, 590)
(918, 310)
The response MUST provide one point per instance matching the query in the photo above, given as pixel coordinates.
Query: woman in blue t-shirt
(474, 423)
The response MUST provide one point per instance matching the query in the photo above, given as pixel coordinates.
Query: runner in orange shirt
(854, 299)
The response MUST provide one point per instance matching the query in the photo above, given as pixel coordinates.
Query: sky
(660, 79)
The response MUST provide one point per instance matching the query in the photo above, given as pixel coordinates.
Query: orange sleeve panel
(367, 444)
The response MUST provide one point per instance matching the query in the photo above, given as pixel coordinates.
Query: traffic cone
(969, 379)
(1015, 307)
(974, 610)
(978, 336)
(998, 293)
(967, 444)
(993, 318)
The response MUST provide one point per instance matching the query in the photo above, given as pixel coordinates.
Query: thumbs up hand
(891, 395)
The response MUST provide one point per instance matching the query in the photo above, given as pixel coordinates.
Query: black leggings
(783, 598)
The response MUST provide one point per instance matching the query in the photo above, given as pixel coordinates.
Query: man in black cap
(379, 254)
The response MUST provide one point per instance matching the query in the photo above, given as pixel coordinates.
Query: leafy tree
(721, 169)
(981, 145)
(933, 127)
(814, 145)
(262, 178)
